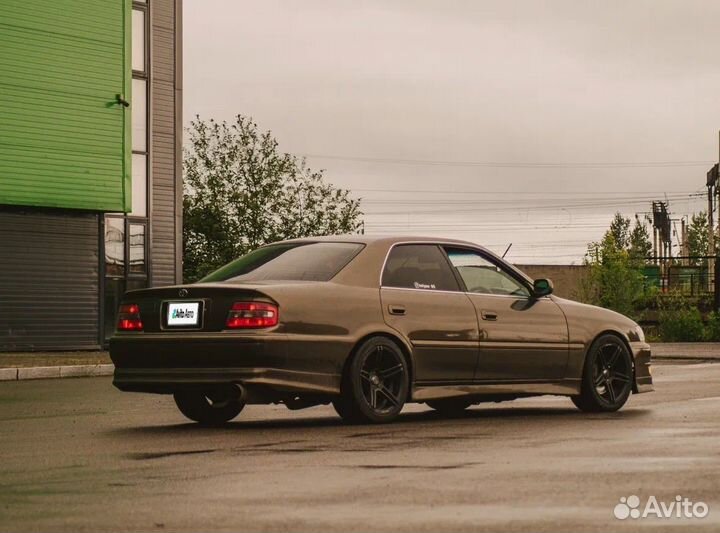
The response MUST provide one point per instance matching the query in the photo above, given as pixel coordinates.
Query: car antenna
(507, 250)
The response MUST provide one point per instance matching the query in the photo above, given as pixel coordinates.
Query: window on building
(114, 247)
(125, 262)
(139, 115)
(139, 106)
(138, 40)
(139, 185)
(136, 250)
(126, 236)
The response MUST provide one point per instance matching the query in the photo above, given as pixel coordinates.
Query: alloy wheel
(382, 379)
(612, 375)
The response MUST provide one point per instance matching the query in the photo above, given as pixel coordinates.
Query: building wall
(166, 137)
(67, 214)
(64, 138)
(566, 278)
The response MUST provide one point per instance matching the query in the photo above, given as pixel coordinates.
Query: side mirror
(542, 287)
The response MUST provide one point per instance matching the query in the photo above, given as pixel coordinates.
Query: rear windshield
(318, 261)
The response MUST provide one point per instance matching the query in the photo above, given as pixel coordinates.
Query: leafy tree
(614, 279)
(697, 235)
(620, 230)
(639, 243)
(241, 192)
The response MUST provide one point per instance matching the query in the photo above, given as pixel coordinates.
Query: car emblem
(183, 293)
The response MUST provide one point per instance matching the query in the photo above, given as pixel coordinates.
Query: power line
(459, 201)
(499, 164)
(516, 193)
(450, 210)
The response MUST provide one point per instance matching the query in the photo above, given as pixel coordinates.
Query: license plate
(183, 314)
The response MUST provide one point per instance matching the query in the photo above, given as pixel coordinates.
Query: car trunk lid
(198, 307)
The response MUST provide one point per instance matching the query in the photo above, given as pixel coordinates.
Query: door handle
(488, 315)
(396, 309)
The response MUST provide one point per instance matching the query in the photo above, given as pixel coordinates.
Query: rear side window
(318, 261)
(418, 266)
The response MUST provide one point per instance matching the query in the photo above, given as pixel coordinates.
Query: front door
(521, 338)
(422, 300)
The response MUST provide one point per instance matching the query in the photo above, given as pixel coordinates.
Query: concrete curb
(50, 372)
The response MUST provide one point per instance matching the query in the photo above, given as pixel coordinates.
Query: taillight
(129, 318)
(252, 315)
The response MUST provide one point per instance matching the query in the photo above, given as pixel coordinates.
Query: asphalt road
(77, 455)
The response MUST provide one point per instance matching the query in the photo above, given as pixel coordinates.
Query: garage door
(48, 281)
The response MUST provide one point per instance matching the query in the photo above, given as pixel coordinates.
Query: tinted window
(483, 276)
(318, 261)
(418, 266)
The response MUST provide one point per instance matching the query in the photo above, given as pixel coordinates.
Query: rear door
(521, 338)
(422, 300)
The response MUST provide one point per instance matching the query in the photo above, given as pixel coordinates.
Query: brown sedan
(369, 324)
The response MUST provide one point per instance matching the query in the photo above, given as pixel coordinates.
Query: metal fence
(688, 275)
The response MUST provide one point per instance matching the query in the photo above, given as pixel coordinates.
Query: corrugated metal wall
(166, 116)
(48, 281)
(64, 141)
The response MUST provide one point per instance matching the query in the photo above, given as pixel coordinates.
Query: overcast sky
(535, 121)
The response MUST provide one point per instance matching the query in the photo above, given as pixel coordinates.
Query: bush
(614, 279)
(712, 330)
(679, 320)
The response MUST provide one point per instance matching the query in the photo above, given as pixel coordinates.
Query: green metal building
(90, 164)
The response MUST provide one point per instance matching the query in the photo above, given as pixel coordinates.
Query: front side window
(318, 261)
(483, 276)
(418, 266)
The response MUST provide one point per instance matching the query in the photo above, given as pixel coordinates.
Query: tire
(376, 383)
(450, 406)
(211, 407)
(340, 408)
(607, 376)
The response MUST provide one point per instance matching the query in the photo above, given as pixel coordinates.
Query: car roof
(385, 239)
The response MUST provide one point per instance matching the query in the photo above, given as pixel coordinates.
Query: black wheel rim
(381, 378)
(612, 373)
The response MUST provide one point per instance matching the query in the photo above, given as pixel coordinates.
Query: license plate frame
(179, 308)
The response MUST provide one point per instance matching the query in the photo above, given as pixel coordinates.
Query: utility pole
(655, 246)
(714, 273)
(663, 229)
(712, 178)
(684, 246)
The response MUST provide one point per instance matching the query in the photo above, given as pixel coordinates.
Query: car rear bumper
(167, 381)
(643, 366)
(162, 363)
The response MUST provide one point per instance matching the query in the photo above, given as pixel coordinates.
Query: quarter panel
(323, 321)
